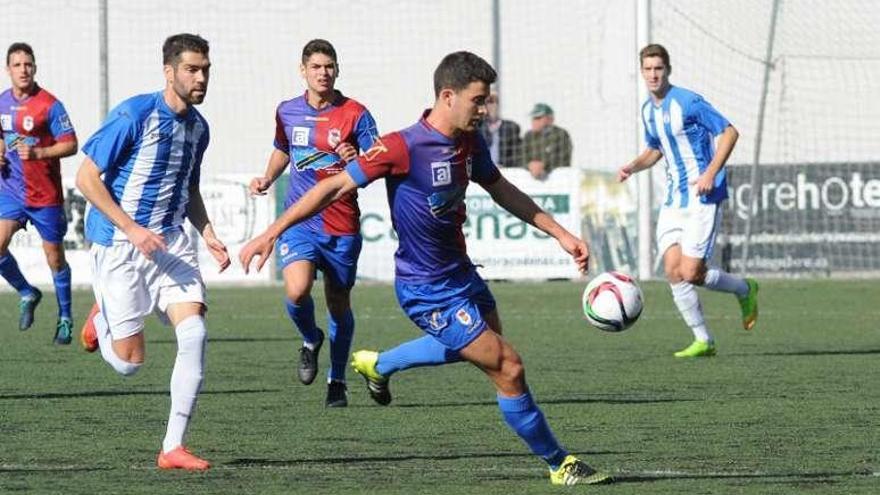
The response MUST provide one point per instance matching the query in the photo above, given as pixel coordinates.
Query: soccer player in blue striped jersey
(681, 128)
(427, 168)
(141, 176)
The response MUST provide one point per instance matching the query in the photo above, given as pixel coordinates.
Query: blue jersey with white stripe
(149, 157)
(683, 127)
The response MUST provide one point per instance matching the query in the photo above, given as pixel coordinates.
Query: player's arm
(726, 141)
(523, 207)
(277, 163)
(88, 181)
(644, 161)
(60, 149)
(316, 199)
(198, 217)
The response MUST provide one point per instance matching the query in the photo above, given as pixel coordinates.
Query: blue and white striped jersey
(683, 127)
(149, 157)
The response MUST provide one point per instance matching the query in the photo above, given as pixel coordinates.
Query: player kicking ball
(427, 168)
(141, 175)
(681, 126)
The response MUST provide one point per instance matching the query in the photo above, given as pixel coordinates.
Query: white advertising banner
(236, 217)
(503, 245)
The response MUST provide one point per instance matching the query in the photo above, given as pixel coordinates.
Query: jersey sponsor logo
(309, 118)
(64, 122)
(463, 317)
(299, 136)
(334, 137)
(27, 123)
(6, 122)
(284, 249)
(443, 202)
(441, 174)
(377, 149)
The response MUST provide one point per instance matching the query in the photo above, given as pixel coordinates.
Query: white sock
(105, 343)
(688, 301)
(724, 282)
(186, 379)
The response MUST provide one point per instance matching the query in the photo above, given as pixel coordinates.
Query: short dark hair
(318, 46)
(179, 43)
(459, 69)
(19, 46)
(654, 50)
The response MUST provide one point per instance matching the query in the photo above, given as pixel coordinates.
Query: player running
(317, 134)
(36, 133)
(149, 152)
(427, 168)
(680, 126)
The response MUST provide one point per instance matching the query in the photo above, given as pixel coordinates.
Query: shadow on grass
(585, 400)
(121, 393)
(392, 459)
(816, 478)
(853, 352)
(214, 340)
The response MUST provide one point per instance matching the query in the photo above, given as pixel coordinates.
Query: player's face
(21, 70)
(468, 106)
(320, 72)
(655, 73)
(190, 77)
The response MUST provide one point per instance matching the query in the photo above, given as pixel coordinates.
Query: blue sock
(61, 279)
(341, 331)
(9, 270)
(526, 420)
(303, 315)
(423, 351)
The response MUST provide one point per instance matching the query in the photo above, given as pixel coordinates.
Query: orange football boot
(88, 336)
(181, 458)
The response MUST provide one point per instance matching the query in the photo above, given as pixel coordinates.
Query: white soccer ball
(612, 301)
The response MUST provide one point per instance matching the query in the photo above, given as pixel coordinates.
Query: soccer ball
(612, 301)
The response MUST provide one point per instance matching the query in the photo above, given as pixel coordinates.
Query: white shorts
(128, 286)
(694, 228)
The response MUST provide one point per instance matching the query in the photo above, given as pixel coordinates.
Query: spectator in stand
(547, 146)
(501, 135)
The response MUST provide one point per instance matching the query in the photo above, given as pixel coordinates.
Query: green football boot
(698, 348)
(574, 471)
(749, 305)
(364, 363)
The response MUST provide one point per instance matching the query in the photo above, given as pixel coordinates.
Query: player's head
(187, 66)
(461, 86)
(319, 66)
(21, 65)
(655, 67)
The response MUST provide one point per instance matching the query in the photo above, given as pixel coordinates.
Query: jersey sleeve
(116, 135)
(707, 116)
(365, 131)
(281, 142)
(389, 156)
(483, 170)
(59, 123)
(651, 140)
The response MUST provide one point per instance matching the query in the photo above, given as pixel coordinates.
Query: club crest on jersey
(441, 174)
(64, 121)
(375, 150)
(299, 136)
(436, 320)
(6, 122)
(27, 123)
(334, 137)
(283, 250)
(464, 317)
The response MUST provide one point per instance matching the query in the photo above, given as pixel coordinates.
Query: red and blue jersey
(38, 120)
(310, 136)
(427, 174)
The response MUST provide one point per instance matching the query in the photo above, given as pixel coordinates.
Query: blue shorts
(450, 310)
(335, 255)
(50, 221)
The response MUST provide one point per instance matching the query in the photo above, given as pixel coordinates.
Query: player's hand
(624, 173)
(217, 250)
(578, 249)
(346, 151)
(27, 152)
(261, 246)
(704, 183)
(259, 186)
(146, 241)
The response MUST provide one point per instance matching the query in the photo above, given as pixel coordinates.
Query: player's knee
(338, 302)
(298, 294)
(693, 275)
(512, 371)
(126, 368)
